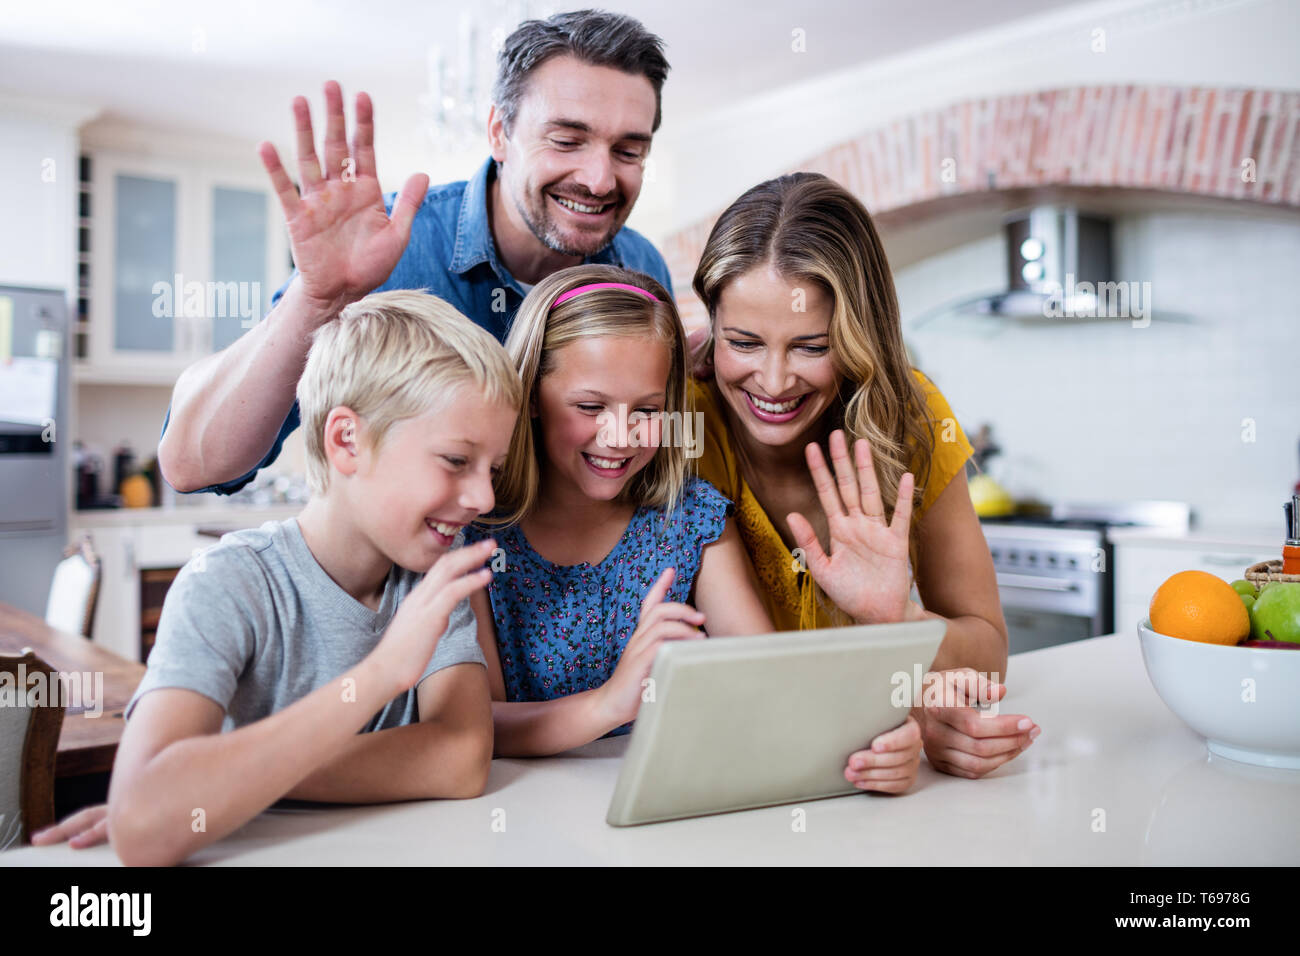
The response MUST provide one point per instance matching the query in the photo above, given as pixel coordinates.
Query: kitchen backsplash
(1202, 405)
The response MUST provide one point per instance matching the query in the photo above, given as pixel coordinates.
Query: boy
(289, 637)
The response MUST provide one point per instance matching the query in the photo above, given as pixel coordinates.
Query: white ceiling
(137, 59)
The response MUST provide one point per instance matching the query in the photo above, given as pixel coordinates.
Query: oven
(1056, 582)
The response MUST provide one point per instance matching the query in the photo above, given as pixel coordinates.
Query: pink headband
(591, 287)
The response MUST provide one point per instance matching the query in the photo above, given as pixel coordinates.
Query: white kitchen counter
(1108, 745)
(1245, 537)
(214, 513)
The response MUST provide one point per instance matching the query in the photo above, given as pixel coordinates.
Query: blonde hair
(539, 331)
(392, 356)
(811, 229)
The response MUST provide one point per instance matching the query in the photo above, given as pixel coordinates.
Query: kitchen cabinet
(1144, 560)
(183, 256)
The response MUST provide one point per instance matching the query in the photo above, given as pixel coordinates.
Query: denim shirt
(451, 253)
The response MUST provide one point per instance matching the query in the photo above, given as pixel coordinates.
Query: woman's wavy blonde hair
(811, 229)
(539, 331)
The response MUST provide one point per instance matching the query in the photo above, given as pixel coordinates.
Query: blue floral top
(562, 628)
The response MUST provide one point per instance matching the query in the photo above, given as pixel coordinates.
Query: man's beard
(544, 227)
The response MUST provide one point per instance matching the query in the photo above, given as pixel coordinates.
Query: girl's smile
(607, 467)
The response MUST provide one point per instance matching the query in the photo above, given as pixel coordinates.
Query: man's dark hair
(596, 37)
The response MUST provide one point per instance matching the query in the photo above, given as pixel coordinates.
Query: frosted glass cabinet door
(239, 229)
(144, 254)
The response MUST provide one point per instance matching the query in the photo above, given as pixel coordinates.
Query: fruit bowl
(1205, 685)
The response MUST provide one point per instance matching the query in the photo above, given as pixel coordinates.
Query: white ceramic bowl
(1245, 701)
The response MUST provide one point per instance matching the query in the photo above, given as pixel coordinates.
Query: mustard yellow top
(789, 594)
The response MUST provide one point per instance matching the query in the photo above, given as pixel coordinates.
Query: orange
(1197, 606)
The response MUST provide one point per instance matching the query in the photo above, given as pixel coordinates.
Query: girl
(804, 347)
(599, 510)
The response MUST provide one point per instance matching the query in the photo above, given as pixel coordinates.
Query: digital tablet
(732, 723)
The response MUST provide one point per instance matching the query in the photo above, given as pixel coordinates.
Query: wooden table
(87, 743)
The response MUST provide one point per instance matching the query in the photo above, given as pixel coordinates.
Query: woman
(804, 348)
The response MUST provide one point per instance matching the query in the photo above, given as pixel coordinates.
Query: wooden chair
(74, 592)
(29, 744)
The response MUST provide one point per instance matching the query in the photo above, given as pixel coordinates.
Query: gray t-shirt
(256, 624)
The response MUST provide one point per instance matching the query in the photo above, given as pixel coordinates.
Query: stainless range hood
(1058, 269)
(1056, 258)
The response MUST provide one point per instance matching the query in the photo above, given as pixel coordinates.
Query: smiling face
(595, 408)
(772, 364)
(571, 164)
(430, 476)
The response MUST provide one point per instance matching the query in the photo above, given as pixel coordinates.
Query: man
(577, 101)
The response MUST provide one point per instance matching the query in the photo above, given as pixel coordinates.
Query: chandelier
(460, 76)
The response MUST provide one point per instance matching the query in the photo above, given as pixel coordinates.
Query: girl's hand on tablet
(890, 764)
(620, 696)
(964, 741)
(866, 574)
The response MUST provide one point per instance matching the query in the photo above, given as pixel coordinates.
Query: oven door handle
(1031, 583)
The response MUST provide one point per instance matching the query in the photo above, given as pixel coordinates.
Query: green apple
(1275, 615)
(1248, 600)
(1244, 588)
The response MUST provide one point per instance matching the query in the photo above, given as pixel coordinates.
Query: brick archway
(1220, 143)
